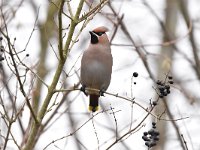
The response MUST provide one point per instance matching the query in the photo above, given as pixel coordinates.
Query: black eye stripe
(99, 33)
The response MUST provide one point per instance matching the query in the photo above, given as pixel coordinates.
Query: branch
(95, 9)
(195, 49)
(72, 133)
(69, 9)
(17, 72)
(60, 40)
(127, 33)
(35, 127)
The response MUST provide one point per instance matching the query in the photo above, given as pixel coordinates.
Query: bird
(96, 66)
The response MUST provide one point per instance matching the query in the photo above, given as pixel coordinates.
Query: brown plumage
(96, 65)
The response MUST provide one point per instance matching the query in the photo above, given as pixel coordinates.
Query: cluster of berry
(164, 87)
(151, 137)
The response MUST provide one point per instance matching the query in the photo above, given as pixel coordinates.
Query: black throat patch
(94, 38)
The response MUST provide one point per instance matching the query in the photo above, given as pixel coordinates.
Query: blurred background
(157, 39)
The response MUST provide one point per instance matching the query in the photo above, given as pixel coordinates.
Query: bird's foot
(101, 92)
(83, 90)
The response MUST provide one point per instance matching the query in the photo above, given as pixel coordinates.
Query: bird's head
(99, 35)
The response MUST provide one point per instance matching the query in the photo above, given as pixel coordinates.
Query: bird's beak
(91, 33)
(94, 38)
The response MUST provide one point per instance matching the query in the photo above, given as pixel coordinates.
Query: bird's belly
(97, 76)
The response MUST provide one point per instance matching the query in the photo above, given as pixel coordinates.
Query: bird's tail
(94, 102)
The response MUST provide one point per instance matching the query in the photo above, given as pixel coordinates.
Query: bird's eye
(99, 33)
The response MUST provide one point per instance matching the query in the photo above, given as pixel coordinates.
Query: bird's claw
(101, 92)
(83, 90)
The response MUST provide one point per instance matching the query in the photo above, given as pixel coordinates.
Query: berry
(159, 82)
(156, 133)
(161, 88)
(154, 103)
(167, 87)
(170, 77)
(147, 143)
(168, 91)
(154, 127)
(1, 58)
(2, 48)
(153, 123)
(151, 132)
(145, 133)
(135, 74)
(152, 143)
(165, 93)
(156, 138)
(145, 138)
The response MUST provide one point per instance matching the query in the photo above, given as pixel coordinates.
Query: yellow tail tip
(93, 109)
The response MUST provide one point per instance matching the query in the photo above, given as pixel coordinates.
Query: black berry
(154, 103)
(1, 58)
(170, 77)
(145, 138)
(135, 74)
(159, 82)
(145, 133)
(153, 124)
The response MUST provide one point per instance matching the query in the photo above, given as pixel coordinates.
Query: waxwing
(96, 66)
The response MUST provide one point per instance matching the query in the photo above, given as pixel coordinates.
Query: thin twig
(17, 73)
(72, 133)
(70, 9)
(95, 9)
(116, 126)
(184, 141)
(95, 131)
(148, 110)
